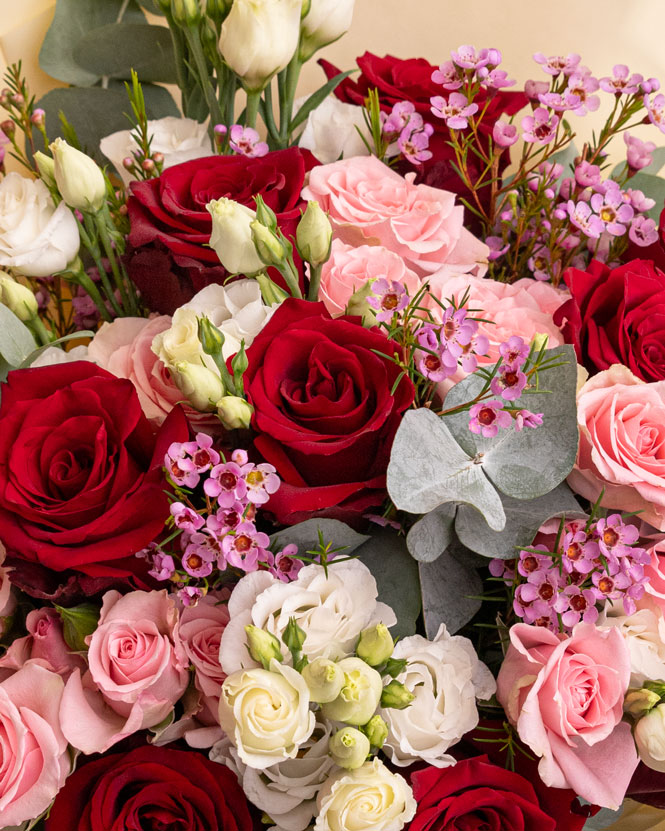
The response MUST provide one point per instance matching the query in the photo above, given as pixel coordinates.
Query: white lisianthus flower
(368, 797)
(331, 610)
(446, 677)
(36, 238)
(325, 22)
(650, 738)
(231, 236)
(330, 131)
(79, 179)
(177, 139)
(54, 355)
(265, 714)
(644, 633)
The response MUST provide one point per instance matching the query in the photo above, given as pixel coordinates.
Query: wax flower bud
(314, 235)
(269, 247)
(324, 678)
(234, 412)
(262, 646)
(375, 645)
(376, 731)
(79, 180)
(650, 738)
(17, 298)
(199, 385)
(637, 703)
(359, 696)
(232, 236)
(349, 748)
(396, 695)
(46, 167)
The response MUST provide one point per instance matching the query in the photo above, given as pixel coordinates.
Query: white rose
(370, 797)
(231, 236)
(650, 738)
(36, 238)
(265, 714)
(446, 677)
(644, 633)
(180, 343)
(331, 610)
(177, 139)
(286, 791)
(53, 355)
(330, 131)
(325, 22)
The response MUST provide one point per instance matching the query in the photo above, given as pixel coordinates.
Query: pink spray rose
(370, 203)
(622, 444)
(564, 694)
(137, 671)
(34, 761)
(44, 644)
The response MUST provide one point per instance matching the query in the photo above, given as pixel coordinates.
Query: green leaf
(85, 333)
(447, 586)
(317, 98)
(432, 534)
(565, 157)
(306, 536)
(77, 623)
(117, 48)
(16, 342)
(73, 20)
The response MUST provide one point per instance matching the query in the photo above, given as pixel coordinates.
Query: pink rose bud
(504, 135)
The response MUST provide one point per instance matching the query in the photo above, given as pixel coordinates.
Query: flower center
(578, 603)
(608, 214)
(228, 480)
(486, 416)
(243, 543)
(255, 478)
(610, 537)
(390, 301)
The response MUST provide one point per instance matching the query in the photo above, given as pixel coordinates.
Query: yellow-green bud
(163, 6)
(359, 696)
(264, 214)
(638, 702)
(77, 623)
(217, 10)
(80, 181)
(268, 246)
(375, 645)
(314, 235)
(17, 298)
(306, 6)
(349, 748)
(234, 412)
(358, 305)
(199, 385)
(376, 731)
(396, 695)
(46, 167)
(539, 341)
(186, 12)
(324, 680)
(270, 292)
(294, 636)
(262, 646)
(212, 340)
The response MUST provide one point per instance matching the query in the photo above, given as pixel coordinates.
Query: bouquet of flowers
(332, 444)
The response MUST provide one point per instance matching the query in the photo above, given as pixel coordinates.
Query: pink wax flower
(638, 152)
(539, 127)
(287, 567)
(504, 135)
(622, 82)
(455, 110)
(509, 382)
(656, 110)
(556, 64)
(582, 84)
(388, 298)
(413, 143)
(467, 57)
(448, 76)
(246, 142)
(643, 231)
(613, 212)
(587, 175)
(486, 417)
(582, 217)
(495, 78)
(226, 484)
(534, 89)
(560, 101)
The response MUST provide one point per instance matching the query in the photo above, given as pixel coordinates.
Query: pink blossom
(466, 57)
(539, 127)
(582, 217)
(287, 566)
(504, 135)
(495, 78)
(643, 231)
(189, 595)
(455, 111)
(622, 82)
(163, 567)
(486, 417)
(388, 298)
(525, 418)
(582, 84)
(650, 85)
(637, 200)
(534, 89)
(587, 175)
(185, 518)
(638, 152)
(497, 247)
(556, 64)
(402, 114)
(560, 101)
(243, 548)
(4, 141)
(613, 212)
(509, 382)
(226, 484)
(246, 142)
(197, 558)
(514, 350)
(413, 143)
(656, 110)
(448, 76)
(261, 481)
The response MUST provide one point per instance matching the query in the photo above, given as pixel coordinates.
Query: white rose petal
(53, 355)
(650, 738)
(644, 633)
(330, 131)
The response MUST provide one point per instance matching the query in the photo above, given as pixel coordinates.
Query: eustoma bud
(325, 679)
(375, 645)
(46, 167)
(234, 412)
(79, 180)
(359, 696)
(314, 235)
(349, 748)
(262, 646)
(201, 386)
(232, 236)
(396, 695)
(17, 298)
(376, 731)
(325, 22)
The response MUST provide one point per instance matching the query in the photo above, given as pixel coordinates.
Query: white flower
(331, 610)
(259, 38)
(286, 791)
(79, 179)
(265, 714)
(36, 238)
(325, 22)
(650, 738)
(330, 131)
(446, 677)
(644, 633)
(370, 797)
(53, 355)
(231, 236)
(177, 139)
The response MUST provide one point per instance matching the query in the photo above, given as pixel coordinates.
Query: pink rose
(137, 671)
(564, 694)
(654, 590)
(349, 269)
(622, 444)
(34, 761)
(44, 644)
(368, 202)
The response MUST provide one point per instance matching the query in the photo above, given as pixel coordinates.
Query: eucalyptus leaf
(433, 533)
(446, 586)
(16, 341)
(566, 158)
(603, 819)
(317, 98)
(428, 468)
(116, 48)
(306, 536)
(85, 333)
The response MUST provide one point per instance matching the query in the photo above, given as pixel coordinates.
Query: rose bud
(46, 167)
(232, 236)
(314, 235)
(349, 748)
(376, 731)
(262, 646)
(79, 180)
(650, 738)
(375, 645)
(199, 384)
(234, 412)
(18, 298)
(360, 695)
(396, 695)
(324, 679)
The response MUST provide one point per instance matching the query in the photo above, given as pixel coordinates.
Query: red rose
(80, 469)
(475, 794)
(151, 788)
(168, 218)
(324, 410)
(617, 316)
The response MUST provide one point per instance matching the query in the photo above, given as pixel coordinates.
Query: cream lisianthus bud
(201, 386)
(268, 245)
(360, 695)
(396, 695)
(18, 298)
(324, 678)
(262, 646)
(638, 702)
(259, 38)
(375, 645)
(650, 738)
(79, 180)
(234, 412)
(349, 748)
(376, 731)
(46, 167)
(325, 22)
(232, 236)
(314, 235)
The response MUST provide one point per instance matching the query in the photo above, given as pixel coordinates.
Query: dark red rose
(617, 315)
(151, 789)
(473, 795)
(324, 411)
(81, 485)
(169, 214)
(411, 80)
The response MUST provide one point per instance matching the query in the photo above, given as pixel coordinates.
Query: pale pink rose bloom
(137, 671)
(367, 202)
(349, 269)
(564, 694)
(622, 444)
(35, 761)
(44, 644)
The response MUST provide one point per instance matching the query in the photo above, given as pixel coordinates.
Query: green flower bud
(77, 623)
(294, 636)
(314, 235)
(262, 646)
(163, 6)
(217, 10)
(396, 695)
(394, 666)
(657, 687)
(269, 247)
(639, 702)
(234, 412)
(17, 298)
(212, 339)
(359, 696)
(46, 167)
(80, 181)
(202, 387)
(324, 679)
(358, 305)
(376, 731)
(349, 748)
(375, 645)
(265, 215)
(186, 12)
(270, 292)
(306, 6)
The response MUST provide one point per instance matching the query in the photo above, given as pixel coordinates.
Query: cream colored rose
(650, 738)
(644, 633)
(265, 713)
(180, 343)
(370, 797)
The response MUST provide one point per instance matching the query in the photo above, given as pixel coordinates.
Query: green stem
(90, 242)
(286, 111)
(269, 119)
(121, 285)
(40, 331)
(192, 34)
(80, 278)
(252, 109)
(292, 279)
(314, 281)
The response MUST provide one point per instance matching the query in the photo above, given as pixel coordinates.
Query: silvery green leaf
(16, 342)
(603, 819)
(523, 519)
(446, 586)
(528, 463)
(428, 467)
(432, 534)
(306, 535)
